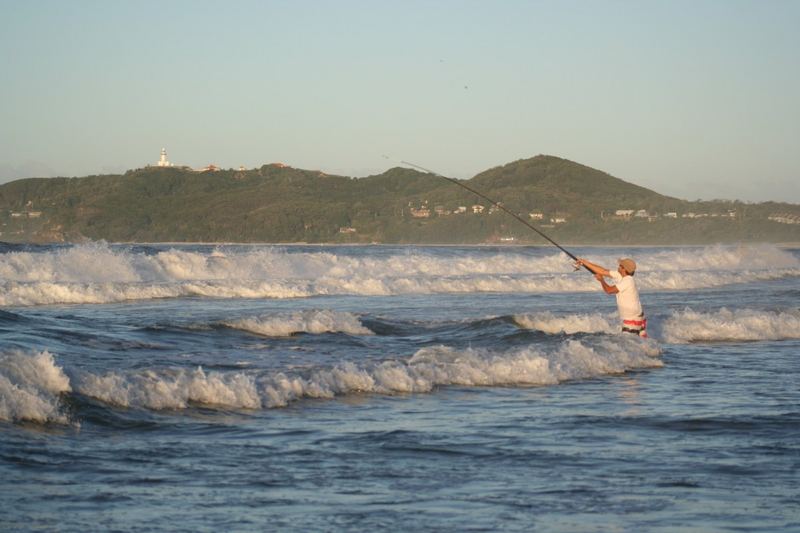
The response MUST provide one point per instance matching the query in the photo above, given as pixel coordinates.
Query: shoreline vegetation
(574, 204)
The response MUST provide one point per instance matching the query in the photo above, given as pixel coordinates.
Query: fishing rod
(499, 206)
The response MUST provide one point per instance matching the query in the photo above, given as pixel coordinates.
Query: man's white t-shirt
(628, 296)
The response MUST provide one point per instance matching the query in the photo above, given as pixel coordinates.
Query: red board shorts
(638, 326)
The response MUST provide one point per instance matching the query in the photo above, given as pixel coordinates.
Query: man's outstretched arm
(596, 269)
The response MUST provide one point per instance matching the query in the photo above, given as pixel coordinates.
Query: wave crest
(311, 321)
(100, 273)
(30, 385)
(725, 325)
(427, 369)
(172, 389)
(547, 322)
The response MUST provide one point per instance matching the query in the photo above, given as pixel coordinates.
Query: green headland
(572, 203)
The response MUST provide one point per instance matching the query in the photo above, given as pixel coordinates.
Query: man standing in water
(630, 309)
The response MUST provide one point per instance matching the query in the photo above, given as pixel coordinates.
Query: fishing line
(496, 204)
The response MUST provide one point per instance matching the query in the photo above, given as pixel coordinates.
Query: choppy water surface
(396, 388)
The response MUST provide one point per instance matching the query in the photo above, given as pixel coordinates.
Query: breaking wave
(428, 368)
(312, 321)
(30, 384)
(101, 273)
(172, 389)
(547, 322)
(30, 388)
(725, 325)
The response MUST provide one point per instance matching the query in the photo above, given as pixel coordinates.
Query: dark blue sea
(383, 388)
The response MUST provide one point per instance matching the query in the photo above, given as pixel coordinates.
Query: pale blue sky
(697, 99)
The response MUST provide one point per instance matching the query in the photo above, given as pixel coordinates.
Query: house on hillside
(784, 218)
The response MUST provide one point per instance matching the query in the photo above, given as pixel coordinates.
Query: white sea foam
(99, 273)
(750, 257)
(172, 389)
(547, 322)
(30, 385)
(726, 325)
(310, 321)
(427, 369)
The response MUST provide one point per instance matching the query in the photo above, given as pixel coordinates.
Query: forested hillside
(276, 203)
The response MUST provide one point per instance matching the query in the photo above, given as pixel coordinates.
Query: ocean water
(323, 388)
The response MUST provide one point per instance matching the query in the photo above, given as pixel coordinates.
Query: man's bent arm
(609, 289)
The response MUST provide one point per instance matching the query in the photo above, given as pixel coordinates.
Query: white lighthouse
(162, 162)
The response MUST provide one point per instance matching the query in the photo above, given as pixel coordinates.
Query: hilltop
(275, 203)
